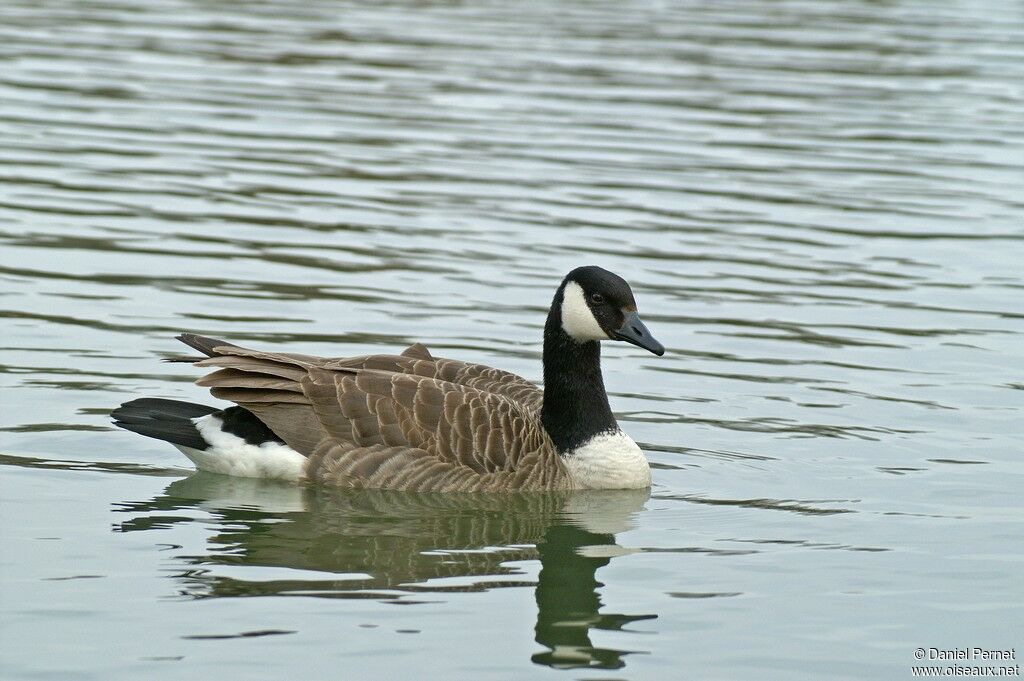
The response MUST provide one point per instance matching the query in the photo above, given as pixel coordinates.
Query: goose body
(413, 421)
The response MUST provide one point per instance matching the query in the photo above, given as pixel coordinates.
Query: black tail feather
(155, 406)
(168, 420)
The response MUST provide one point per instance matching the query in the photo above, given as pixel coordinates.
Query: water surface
(819, 208)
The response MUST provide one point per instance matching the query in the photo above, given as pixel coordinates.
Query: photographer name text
(965, 654)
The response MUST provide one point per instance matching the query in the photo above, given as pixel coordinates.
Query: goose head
(598, 305)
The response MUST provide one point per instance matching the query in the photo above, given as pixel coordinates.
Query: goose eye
(596, 298)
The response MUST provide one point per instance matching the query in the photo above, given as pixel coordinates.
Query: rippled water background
(819, 206)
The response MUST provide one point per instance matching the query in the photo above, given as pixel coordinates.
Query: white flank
(577, 319)
(608, 461)
(231, 455)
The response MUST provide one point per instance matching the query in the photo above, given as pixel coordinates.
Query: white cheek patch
(577, 319)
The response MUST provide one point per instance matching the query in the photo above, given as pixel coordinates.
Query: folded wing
(412, 412)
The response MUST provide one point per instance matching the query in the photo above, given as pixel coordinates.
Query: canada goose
(416, 422)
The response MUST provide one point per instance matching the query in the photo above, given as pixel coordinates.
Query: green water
(818, 206)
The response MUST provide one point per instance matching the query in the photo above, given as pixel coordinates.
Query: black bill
(634, 331)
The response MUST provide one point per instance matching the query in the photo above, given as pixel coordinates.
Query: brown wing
(433, 423)
(452, 422)
(417, 360)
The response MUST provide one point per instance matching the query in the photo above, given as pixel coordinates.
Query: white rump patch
(577, 319)
(608, 461)
(231, 455)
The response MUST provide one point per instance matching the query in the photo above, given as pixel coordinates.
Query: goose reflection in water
(390, 544)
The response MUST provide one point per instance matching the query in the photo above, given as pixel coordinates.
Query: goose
(416, 422)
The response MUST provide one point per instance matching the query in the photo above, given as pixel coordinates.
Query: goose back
(411, 421)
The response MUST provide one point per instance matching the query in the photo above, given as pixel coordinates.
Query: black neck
(575, 403)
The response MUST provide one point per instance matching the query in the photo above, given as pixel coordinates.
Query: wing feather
(451, 422)
(409, 421)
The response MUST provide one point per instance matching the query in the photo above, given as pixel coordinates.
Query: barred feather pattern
(408, 422)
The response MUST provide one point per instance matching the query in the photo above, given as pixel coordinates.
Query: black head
(599, 305)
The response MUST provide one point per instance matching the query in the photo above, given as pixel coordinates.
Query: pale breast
(608, 461)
